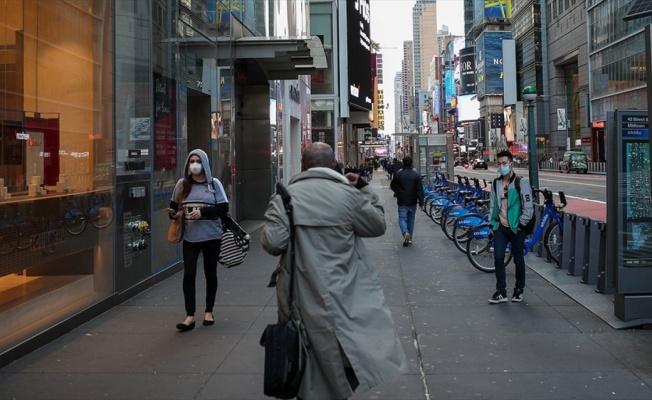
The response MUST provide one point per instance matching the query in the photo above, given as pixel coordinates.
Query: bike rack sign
(629, 212)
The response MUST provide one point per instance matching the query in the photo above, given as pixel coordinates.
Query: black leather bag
(285, 342)
(284, 359)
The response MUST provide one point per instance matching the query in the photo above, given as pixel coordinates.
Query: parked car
(480, 163)
(576, 161)
(459, 161)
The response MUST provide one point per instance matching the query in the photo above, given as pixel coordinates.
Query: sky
(391, 25)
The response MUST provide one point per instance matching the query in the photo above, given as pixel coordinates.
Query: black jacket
(407, 187)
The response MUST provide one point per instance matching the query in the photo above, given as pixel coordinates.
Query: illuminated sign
(359, 54)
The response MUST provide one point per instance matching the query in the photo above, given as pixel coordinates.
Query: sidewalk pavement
(458, 346)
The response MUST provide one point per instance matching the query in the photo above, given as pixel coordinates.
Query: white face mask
(195, 168)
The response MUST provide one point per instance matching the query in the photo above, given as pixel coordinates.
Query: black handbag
(285, 342)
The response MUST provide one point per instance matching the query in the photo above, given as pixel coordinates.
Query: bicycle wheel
(480, 252)
(8, 238)
(101, 216)
(447, 225)
(75, 221)
(461, 236)
(552, 241)
(435, 213)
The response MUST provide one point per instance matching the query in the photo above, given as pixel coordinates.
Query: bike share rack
(568, 257)
(581, 249)
(606, 274)
(596, 264)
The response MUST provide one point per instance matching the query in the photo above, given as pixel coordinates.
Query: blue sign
(489, 62)
(636, 133)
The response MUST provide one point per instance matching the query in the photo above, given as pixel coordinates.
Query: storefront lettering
(161, 87)
(45, 239)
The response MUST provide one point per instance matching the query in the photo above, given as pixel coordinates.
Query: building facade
(616, 66)
(101, 101)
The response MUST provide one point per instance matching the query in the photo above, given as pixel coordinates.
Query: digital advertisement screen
(359, 53)
(489, 62)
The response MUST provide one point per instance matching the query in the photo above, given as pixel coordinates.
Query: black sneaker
(407, 238)
(517, 297)
(498, 297)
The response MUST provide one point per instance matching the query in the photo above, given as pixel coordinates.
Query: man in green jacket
(510, 213)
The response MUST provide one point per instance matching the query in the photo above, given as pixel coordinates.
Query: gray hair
(317, 154)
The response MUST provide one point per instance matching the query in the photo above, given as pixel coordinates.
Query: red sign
(586, 140)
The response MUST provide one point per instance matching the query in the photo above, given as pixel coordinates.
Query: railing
(594, 167)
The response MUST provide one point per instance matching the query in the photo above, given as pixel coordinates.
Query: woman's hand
(194, 214)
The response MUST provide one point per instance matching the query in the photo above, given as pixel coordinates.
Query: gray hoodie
(209, 198)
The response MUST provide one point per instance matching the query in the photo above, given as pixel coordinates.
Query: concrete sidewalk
(458, 346)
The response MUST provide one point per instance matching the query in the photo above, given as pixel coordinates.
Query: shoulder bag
(175, 231)
(285, 342)
(235, 243)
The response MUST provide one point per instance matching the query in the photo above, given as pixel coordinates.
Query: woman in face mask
(201, 200)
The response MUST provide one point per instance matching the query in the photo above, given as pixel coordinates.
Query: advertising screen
(467, 70)
(489, 62)
(359, 53)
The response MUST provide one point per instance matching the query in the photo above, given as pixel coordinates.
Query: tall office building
(398, 102)
(424, 35)
(407, 77)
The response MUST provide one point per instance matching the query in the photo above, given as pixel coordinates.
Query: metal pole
(568, 141)
(533, 167)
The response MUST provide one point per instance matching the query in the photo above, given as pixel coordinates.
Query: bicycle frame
(548, 212)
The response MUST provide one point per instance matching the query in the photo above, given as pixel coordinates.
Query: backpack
(531, 224)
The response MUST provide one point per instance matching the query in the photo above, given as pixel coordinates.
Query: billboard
(467, 70)
(501, 9)
(489, 62)
(358, 19)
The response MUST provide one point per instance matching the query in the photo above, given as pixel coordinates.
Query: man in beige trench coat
(353, 342)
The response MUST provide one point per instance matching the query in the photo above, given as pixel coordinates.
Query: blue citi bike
(480, 246)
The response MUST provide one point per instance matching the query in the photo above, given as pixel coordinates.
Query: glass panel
(56, 162)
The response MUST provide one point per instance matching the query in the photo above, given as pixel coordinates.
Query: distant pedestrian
(509, 216)
(337, 167)
(396, 166)
(408, 190)
(353, 342)
(350, 169)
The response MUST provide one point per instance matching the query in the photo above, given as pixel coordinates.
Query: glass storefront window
(56, 162)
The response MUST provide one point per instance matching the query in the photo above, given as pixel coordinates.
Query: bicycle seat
(482, 202)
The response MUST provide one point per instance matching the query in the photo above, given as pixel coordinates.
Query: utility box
(629, 212)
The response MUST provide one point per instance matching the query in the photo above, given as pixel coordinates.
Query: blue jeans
(502, 236)
(406, 216)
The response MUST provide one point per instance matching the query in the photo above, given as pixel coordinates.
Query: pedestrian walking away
(408, 190)
(511, 205)
(337, 293)
(201, 200)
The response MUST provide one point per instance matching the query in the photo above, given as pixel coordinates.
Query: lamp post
(529, 95)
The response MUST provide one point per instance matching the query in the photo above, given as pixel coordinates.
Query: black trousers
(211, 251)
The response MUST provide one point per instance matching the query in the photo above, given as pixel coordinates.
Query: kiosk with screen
(629, 213)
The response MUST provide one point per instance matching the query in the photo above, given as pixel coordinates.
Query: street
(586, 194)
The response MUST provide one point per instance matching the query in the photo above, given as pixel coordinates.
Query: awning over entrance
(283, 58)
(279, 57)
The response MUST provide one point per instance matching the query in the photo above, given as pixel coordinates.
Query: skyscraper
(407, 77)
(424, 35)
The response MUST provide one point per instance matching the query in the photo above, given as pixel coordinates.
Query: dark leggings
(211, 252)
